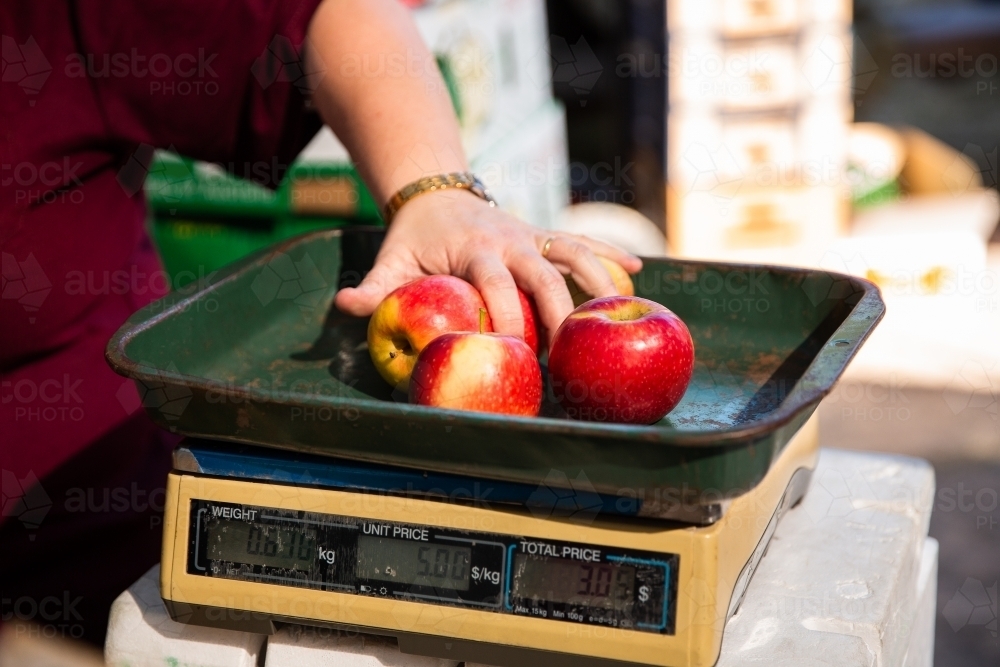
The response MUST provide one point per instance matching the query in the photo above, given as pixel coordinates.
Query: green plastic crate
(202, 219)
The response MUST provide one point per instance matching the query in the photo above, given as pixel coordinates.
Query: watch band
(464, 180)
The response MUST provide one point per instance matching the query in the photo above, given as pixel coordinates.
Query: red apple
(621, 359)
(532, 323)
(487, 372)
(415, 314)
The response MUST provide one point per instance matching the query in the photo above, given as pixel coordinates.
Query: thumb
(362, 300)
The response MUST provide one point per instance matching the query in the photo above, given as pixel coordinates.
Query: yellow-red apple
(415, 314)
(487, 372)
(619, 276)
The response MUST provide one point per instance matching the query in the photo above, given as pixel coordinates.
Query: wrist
(464, 180)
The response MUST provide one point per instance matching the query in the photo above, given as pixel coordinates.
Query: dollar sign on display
(643, 593)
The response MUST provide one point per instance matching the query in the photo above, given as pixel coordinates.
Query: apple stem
(482, 320)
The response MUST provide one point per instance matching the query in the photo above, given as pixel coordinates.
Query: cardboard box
(753, 18)
(711, 73)
(806, 144)
(792, 225)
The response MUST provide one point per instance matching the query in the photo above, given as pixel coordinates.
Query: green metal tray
(261, 356)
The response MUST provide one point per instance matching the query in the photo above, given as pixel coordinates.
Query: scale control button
(382, 590)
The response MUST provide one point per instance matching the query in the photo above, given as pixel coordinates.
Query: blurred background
(857, 137)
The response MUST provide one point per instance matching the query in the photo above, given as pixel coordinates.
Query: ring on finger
(547, 246)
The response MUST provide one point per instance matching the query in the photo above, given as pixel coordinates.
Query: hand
(455, 232)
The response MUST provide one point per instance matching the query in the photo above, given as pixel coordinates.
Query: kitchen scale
(454, 567)
(309, 493)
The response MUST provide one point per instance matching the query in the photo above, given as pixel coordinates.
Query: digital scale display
(261, 545)
(562, 581)
(598, 585)
(414, 563)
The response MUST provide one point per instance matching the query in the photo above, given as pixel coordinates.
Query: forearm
(382, 94)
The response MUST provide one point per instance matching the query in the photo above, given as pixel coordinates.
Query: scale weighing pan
(258, 354)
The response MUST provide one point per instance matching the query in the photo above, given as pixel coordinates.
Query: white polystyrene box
(756, 142)
(845, 578)
(142, 634)
(295, 646)
(528, 170)
(702, 144)
(709, 72)
(828, 11)
(498, 52)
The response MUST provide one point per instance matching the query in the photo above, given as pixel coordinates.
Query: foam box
(141, 634)
(527, 172)
(296, 646)
(498, 55)
(848, 577)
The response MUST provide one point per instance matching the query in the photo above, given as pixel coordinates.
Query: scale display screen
(414, 563)
(261, 544)
(599, 585)
(506, 574)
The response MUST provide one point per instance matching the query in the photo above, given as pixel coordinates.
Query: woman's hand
(383, 96)
(455, 232)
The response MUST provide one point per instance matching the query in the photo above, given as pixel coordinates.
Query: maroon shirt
(87, 88)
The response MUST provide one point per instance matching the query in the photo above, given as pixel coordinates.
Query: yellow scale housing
(715, 566)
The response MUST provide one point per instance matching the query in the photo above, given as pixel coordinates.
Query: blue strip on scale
(268, 465)
(510, 569)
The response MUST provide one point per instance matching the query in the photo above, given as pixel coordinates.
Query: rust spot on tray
(763, 366)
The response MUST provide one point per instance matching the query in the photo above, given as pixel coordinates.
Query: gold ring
(546, 246)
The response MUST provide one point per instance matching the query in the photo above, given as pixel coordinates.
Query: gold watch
(464, 180)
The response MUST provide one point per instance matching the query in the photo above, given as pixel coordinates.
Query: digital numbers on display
(579, 583)
(415, 563)
(600, 585)
(261, 544)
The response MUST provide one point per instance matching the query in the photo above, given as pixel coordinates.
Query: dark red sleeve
(218, 80)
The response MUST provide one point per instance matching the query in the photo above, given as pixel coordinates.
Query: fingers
(490, 276)
(628, 261)
(362, 300)
(546, 285)
(569, 254)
